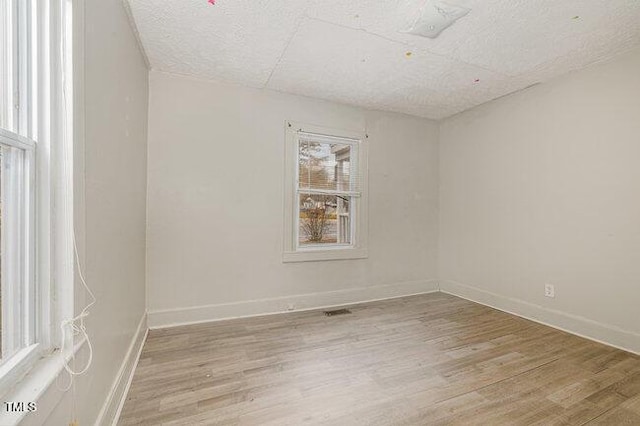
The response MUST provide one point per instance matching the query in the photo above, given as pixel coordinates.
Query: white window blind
(328, 165)
(327, 184)
(325, 193)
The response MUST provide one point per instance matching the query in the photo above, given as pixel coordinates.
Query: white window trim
(31, 371)
(23, 236)
(20, 120)
(29, 332)
(292, 252)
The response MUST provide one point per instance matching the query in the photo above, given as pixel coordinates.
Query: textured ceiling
(351, 50)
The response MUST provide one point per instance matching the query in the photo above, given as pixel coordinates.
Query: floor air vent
(337, 312)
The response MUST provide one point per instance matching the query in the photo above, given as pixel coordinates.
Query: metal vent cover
(337, 312)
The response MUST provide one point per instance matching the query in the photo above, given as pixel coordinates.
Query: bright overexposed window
(16, 248)
(35, 181)
(17, 179)
(326, 193)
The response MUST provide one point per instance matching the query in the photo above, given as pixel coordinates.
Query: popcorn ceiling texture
(352, 52)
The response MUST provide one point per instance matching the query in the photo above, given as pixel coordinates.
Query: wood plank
(427, 359)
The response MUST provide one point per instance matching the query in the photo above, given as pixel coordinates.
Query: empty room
(305, 212)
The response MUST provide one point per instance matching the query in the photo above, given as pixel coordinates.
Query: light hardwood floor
(421, 360)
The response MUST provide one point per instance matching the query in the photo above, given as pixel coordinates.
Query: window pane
(324, 166)
(324, 219)
(2, 298)
(6, 65)
(12, 249)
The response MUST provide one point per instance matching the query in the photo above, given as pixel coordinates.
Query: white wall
(215, 202)
(544, 186)
(110, 212)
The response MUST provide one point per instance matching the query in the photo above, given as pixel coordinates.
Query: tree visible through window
(325, 191)
(325, 203)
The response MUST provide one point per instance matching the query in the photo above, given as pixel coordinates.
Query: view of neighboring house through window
(326, 188)
(325, 203)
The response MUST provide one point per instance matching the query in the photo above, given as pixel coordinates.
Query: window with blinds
(327, 187)
(325, 203)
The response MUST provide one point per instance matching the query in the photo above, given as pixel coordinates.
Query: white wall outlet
(291, 307)
(549, 290)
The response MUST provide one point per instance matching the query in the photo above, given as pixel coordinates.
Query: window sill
(322, 255)
(17, 366)
(39, 386)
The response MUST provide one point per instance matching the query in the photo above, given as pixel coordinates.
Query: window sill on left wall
(321, 255)
(39, 385)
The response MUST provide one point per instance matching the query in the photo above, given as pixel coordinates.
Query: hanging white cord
(76, 324)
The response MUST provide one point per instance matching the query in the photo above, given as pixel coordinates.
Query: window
(325, 204)
(16, 246)
(17, 147)
(34, 123)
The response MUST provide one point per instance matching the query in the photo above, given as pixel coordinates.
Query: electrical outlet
(549, 290)
(291, 307)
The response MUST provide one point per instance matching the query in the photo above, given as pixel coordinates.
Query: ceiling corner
(134, 28)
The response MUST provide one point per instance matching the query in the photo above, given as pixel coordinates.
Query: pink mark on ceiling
(211, 2)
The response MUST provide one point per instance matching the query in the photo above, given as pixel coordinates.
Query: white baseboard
(198, 314)
(584, 327)
(110, 412)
